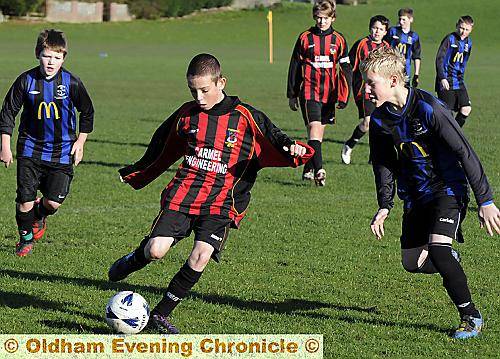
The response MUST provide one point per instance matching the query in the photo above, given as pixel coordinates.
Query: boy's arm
(440, 59)
(6, 153)
(447, 130)
(416, 56)
(83, 104)
(344, 81)
(294, 72)
(384, 162)
(12, 105)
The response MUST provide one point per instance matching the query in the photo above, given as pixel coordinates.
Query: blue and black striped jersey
(422, 148)
(408, 44)
(451, 61)
(48, 128)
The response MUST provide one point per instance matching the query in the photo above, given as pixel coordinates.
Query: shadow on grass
(71, 327)
(104, 164)
(118, 143)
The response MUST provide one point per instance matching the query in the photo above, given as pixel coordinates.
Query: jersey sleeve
(447, 130)
(416, 49)
(384, 162)
(345, 74)
(295, 72)
(12, 105)
(83, 104)
(353, 56)
(440, 57)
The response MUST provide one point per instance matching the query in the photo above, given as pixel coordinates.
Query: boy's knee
(156, 248)
(410, 264)
(466, 110)
(198, 260)
(365, 124)
(52, 205)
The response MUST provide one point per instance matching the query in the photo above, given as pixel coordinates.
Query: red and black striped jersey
(359, 52)
(223, 150)
(319, 68)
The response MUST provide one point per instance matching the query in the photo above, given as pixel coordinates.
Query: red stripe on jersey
(186, 183)
(307, 69)
(220, 135)
(229, 181)
(317, 72)
(328, 72)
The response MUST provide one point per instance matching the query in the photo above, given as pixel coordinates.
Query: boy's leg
(464, 107)
(167, 226)
(365, 108)
(211, 233)
(312, 115)
(24, 218)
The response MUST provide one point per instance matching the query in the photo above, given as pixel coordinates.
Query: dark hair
(467, 19)
(204, 64)
(382, 19)
(54, 40)
(405, 12)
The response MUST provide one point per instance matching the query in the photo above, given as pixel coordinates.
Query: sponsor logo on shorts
(217, 238)
(60, 196)
(447, 220)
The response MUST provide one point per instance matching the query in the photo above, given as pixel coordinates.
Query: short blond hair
(327, 7)
(387, 62)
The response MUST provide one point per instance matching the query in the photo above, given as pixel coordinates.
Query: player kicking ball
(224, 143)
(416, 142)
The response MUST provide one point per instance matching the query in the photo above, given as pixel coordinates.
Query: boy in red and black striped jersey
(318, 77)
(378, 27)
(224, 143)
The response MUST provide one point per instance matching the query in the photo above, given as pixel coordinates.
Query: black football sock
(317, 159)
(179, 286)
(42, 211)
(139, 256)
(454, 279)
(25, 224)
(309, 164)
(357, 134)
(460, 118)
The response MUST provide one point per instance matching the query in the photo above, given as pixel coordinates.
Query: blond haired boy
(416, 143)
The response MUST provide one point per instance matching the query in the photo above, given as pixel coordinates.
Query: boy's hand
(341, 105)
(296, 150)
(489, 217)
(414, 81)
(293, 103)
(6, 156)
(77, 152)
(377, 225)
(445, 85)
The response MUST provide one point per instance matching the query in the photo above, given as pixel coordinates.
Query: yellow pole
(270, 26)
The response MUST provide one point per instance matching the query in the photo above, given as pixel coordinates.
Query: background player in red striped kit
(313, 81)
(224, 143)
(378, 27)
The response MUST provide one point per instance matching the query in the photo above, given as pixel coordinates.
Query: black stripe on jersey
(39, 123)
(310, 40)
(56, 152)
(200, 176)
(241, 163)
(220, 178)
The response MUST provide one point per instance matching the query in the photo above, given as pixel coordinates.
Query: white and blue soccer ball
(127, 312)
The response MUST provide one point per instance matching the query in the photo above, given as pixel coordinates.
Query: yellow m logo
(401, 48)
(459, 57)
(48, 107)
(411, 149)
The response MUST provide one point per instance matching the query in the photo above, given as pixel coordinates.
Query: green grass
(304, 260)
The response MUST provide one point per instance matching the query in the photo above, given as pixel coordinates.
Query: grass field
(304, 260)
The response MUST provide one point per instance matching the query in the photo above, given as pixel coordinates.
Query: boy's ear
(393, 80)
(221, 83)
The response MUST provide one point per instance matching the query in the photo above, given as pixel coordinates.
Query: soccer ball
(127, 312)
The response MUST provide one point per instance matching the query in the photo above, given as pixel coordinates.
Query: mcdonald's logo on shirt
(48, 111)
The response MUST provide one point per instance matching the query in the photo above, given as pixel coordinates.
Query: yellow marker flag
(270, 26)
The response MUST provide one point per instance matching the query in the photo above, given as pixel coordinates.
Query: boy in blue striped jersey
(418, 150)
(407, 42)
(451, 61)
(48, 144)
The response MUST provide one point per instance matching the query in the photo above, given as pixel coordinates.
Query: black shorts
(317, 111)
(365, 108)
(211, 229)
(455, 99)
(52, 179)
(443, 215)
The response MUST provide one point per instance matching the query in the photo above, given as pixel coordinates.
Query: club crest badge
(61, 92)
(231, 137)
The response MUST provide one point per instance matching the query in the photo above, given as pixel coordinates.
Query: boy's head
(464, 26)
(378, 27)
(205, 80)
(51, 50)
(405, 18)
(324, 13)
(384, 74)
